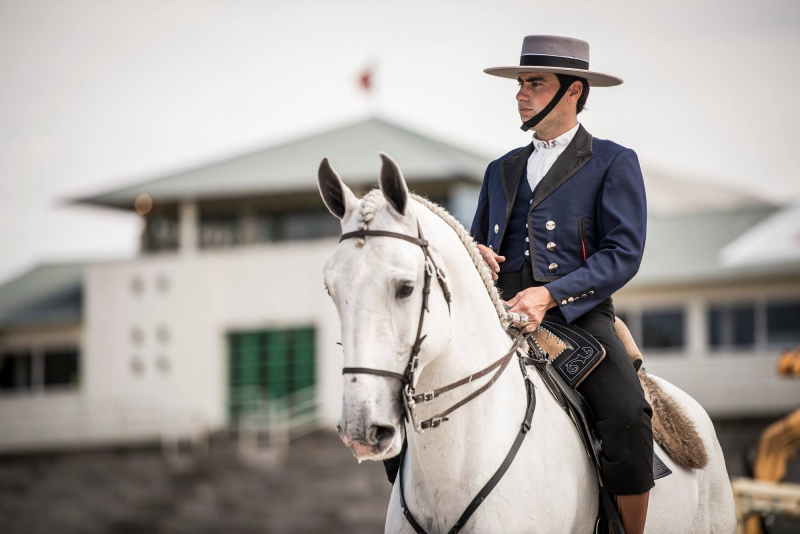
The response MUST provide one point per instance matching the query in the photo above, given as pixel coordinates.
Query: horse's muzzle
(375, 441)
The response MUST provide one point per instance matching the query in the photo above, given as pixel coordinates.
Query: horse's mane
(374, 200)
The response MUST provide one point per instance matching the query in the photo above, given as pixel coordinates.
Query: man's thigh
(615, 395)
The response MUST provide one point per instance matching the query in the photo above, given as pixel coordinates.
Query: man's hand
(492, 260)
(533, 302)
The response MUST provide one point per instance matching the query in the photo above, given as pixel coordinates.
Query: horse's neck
(445, 462)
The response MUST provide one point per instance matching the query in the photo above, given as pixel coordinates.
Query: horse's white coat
(550, 487)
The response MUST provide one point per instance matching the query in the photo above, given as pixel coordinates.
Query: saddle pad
(573, 351)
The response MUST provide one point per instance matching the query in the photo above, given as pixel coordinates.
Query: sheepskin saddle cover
(574, 353)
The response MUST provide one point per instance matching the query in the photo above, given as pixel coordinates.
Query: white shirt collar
(562, 140)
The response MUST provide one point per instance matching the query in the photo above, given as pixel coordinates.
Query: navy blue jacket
(586, 220)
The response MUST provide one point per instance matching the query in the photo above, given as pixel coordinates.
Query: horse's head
(377, 285)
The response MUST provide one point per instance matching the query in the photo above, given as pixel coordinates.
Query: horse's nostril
(340, 431)
(379, 435)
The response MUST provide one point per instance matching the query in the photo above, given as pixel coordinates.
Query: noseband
(408, 378)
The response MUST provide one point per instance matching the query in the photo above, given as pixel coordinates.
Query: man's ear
(393, 185)
(338, 198)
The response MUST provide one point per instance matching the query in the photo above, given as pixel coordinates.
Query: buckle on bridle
(427, 396)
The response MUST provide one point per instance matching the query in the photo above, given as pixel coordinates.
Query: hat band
(539, 60)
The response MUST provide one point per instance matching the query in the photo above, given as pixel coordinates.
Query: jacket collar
(575, 156)
(513, 167)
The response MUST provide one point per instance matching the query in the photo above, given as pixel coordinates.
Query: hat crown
(554, 45)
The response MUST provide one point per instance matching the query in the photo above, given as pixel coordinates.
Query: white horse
(376, 283)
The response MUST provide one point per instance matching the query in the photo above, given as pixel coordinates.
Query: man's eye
(405, 290)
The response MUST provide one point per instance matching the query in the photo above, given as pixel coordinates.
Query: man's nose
(521, 96)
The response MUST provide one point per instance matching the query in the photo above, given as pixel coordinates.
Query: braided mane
(374, 200)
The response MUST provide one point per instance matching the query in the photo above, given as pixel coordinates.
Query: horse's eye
(405, 290)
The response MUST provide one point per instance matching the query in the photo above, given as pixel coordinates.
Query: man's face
(536, 90)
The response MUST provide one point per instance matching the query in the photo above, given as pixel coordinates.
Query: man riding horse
(562, 222)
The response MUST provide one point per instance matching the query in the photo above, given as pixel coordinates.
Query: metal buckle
(427, 396)
(429, 266)
(435, 422)
(413, 365)
(440, 274)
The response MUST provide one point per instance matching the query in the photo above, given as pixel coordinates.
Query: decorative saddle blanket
(573, 351)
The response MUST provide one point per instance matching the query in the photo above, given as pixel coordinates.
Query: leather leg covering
(633, 511)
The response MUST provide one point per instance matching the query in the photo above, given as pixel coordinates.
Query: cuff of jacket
(574, 305)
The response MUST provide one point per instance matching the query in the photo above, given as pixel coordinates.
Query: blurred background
(168, 357)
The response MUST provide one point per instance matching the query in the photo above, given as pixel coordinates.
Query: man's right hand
(492, 260)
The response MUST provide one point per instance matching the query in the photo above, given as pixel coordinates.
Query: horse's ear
(338, 198)
(393, 185)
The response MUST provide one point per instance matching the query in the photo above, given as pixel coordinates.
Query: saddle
(564, 355)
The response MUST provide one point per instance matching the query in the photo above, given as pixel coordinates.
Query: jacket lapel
(513, 168)
(575, 156)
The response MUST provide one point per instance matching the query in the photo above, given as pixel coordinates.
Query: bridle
(408, 378)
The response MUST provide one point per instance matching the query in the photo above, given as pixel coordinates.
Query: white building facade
(225, 308)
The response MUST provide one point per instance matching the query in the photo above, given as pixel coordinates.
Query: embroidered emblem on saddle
(573, 352)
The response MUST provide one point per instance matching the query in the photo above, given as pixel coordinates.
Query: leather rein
(410, 397)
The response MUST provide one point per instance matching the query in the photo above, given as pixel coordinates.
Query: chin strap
(536, 119)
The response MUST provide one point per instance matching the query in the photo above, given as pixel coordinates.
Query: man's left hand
(533, 302)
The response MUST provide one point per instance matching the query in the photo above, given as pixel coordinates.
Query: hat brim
(595, 79)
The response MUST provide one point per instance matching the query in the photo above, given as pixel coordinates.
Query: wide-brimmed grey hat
(559, 55)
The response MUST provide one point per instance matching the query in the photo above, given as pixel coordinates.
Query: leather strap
(360, 233)
(369, 371)
(489, 486)
(536, 119)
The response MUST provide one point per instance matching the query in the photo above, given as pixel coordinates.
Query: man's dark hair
(566, 78)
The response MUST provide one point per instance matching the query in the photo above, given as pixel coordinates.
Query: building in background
(224, 306)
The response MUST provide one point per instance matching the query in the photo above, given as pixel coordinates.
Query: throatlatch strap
(536, 119)
(368, 371)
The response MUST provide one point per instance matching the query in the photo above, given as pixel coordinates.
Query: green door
(268, 365)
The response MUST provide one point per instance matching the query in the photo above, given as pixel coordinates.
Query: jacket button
(591, 292)
(563, 302)
(571, 299)
(526, 225)
(553, 267)
(527, 252)
(496, 228)
(527, 240)
(491, 247)
(551, 246)
(530, 201)
(550, 225)
(583, 296)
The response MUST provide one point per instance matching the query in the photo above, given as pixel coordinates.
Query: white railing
(70, 422)
(278, 420)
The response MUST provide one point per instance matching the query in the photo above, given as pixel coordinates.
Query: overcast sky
(97, 94)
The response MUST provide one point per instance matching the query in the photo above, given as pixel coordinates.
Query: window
(732, 326)
(46, 368)
(161, 232)
(268, 365)
(61, 368)
(294, 226)
(663, 329)
(219, 230)
(15, 372)
(783, 324)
